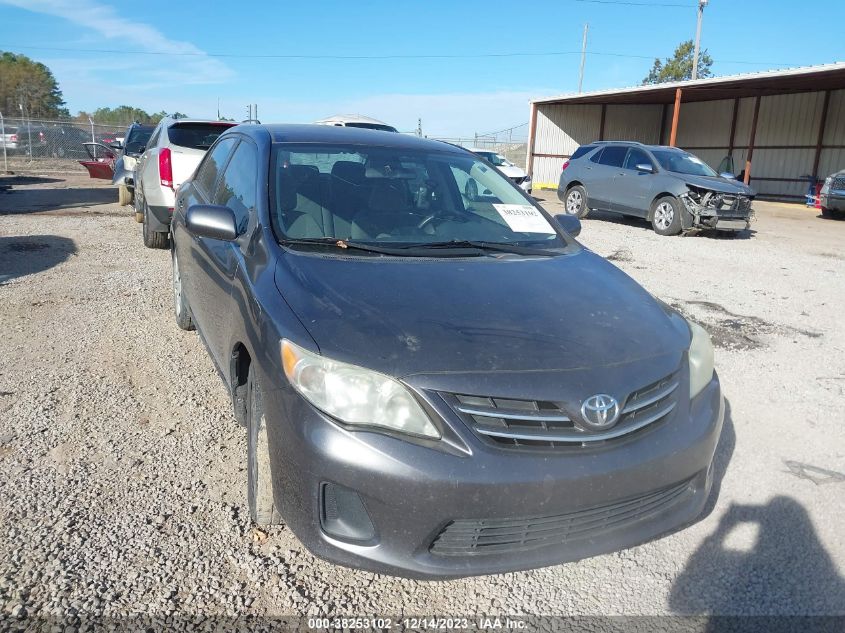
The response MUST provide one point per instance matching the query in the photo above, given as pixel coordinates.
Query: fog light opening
(343, 515)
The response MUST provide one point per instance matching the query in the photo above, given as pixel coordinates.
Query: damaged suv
(673, 189)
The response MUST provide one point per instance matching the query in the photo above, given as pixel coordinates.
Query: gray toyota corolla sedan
(436, 378)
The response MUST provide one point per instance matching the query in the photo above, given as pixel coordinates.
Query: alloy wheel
(573, 202)
(664, 214)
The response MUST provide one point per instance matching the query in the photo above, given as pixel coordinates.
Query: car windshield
(196, 135)
(397, 197)
(682, 163)
(493, 158)
(138, 138)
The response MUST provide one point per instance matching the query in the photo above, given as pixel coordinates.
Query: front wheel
(666, 216)
(575, 202)
(262, 505)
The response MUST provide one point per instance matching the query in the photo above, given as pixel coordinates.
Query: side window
(584, 149)
(613, 155)
(154, 138)
(238, 184)
(636, 157)
(212, 165)
(595, 158)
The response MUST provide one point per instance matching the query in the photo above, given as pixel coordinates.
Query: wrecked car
(134, 144)
(674, 190)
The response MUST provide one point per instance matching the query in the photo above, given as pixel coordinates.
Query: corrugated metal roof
(821, 77)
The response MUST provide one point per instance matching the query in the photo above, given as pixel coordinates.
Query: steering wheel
(441, 215)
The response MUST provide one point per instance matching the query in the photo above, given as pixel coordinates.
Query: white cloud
(191, 65)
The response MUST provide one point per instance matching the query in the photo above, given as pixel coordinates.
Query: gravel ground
(122, 481)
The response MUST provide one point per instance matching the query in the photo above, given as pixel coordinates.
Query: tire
(262, 505)
(665, 216)
(575, 202)
(153, 239)
(124, 196)
(181, 309)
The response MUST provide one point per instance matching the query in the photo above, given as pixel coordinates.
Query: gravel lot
(122, 482)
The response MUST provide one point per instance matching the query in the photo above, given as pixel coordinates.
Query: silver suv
(170, 156)
(673, 189)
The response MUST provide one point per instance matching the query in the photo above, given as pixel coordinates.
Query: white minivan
(171, 155)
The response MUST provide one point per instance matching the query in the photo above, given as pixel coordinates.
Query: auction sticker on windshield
(523, 218)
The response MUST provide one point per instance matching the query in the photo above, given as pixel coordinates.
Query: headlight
(354, 395)
(700, 359)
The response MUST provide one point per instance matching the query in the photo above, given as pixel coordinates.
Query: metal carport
(781, 127)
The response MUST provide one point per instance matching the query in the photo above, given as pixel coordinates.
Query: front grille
(513, 423)
(838, 183)
(733, 205)
(468, 537)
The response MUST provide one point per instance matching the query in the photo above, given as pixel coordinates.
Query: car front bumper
(834, 200)
(412, 492)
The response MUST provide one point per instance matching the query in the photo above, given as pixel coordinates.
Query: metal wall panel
(834, 133)
(702, 124)
(744, 119)
(790, 119)
(633, 123)
(832, 161)
(562, 128)
(547, 171)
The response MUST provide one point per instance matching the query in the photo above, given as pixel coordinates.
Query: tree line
(29, 89)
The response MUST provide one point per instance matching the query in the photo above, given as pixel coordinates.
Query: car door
(604, 167)
(632, 187)
(208, 265)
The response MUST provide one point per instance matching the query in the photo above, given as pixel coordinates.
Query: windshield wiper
(341, 244)
(499, 247)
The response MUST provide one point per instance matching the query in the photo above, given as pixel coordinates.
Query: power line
(641, 4)
(372, 57)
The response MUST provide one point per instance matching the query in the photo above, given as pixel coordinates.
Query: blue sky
(453, 96)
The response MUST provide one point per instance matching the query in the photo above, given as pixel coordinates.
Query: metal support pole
(701, 5)
(676, 114)
(91, 121)
(3, 136)
(583, 57)
(751, 141)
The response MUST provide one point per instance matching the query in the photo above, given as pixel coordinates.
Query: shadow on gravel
(640, 223)
(38, 200)
(9, 181)
(761, 560)
(25, 255)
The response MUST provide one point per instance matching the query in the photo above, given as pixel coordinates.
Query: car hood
(717, 183)
(512, 171)
(403, 316)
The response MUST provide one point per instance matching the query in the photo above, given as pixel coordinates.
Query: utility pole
(419, 128)
(256, 112)
(701, 5)
(583, 57)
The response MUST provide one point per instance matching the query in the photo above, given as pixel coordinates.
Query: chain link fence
(38, 145)
(512, 143)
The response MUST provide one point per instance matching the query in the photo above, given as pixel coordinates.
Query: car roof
(330, 134)
(633, 144)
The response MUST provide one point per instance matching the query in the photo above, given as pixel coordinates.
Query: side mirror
(142, 149)
(569, 223)
(645, 168)
(116, 145)
(212, 221)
